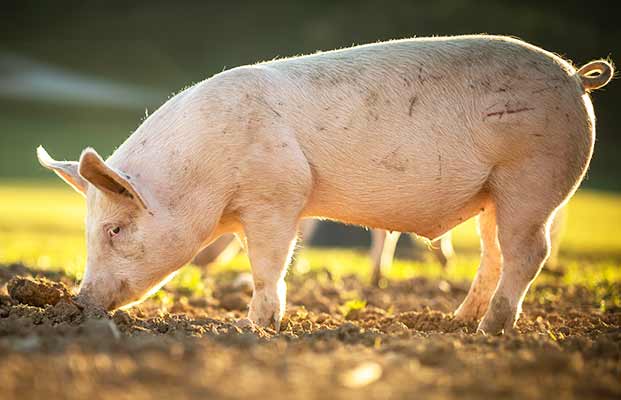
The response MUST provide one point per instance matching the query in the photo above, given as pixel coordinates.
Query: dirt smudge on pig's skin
(181, 345)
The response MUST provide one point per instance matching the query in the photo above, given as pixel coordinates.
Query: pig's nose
(91, 298)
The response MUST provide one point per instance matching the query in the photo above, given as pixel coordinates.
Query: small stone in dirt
(36, 292)
(362, 375)
(444, 286)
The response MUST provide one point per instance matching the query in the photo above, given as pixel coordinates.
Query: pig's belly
(426, 205)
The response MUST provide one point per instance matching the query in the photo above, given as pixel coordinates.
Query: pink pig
(414, 135)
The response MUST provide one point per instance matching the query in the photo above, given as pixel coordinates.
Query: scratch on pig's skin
(421, 79)
(505, 87)
(492, 106)
(547, 79)
(275, 112)
(262, 100)
(503, 112)
(545, 89)
(413, 100)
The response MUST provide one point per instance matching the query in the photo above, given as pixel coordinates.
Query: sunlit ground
(41, 225)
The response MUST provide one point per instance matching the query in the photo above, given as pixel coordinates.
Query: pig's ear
(67, 170)
(94, 170)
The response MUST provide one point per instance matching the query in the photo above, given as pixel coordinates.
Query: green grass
(41, 225)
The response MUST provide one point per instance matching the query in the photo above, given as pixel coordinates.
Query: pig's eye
(113, 231)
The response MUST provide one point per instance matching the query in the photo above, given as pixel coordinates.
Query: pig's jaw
(119, 296)
(149, 292)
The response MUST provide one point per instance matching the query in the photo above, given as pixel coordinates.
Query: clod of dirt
(64, 311)
(37, 292)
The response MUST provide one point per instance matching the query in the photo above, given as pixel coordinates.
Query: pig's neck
(175, 162)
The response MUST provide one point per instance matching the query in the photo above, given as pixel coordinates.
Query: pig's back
(411, 128)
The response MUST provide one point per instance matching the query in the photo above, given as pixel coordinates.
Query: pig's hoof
(495, 329)
(272, 321)
(265, 313)
(499, 319)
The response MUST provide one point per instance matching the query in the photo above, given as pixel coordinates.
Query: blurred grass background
(42, 226)
(84, 73)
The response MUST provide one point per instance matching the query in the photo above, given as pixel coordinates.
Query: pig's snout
(104, 294)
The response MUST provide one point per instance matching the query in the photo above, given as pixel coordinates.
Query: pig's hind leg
(526, 198)
(476, 302)
(382, 252)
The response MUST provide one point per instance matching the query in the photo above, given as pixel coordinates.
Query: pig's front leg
(271, 236)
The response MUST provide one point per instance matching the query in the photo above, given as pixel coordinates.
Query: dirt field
(402, 344)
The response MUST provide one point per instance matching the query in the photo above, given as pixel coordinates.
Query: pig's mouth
(86, 301)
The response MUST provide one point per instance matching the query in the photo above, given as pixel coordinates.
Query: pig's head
(132, 244)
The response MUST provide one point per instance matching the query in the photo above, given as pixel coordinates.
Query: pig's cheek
(123, 295)
(131, 251)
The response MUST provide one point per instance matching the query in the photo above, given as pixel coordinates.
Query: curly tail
(596, 74)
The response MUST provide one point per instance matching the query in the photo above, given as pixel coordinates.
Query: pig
(413, 135)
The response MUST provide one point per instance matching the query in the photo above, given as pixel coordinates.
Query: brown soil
(38, 293)
(403, 344)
